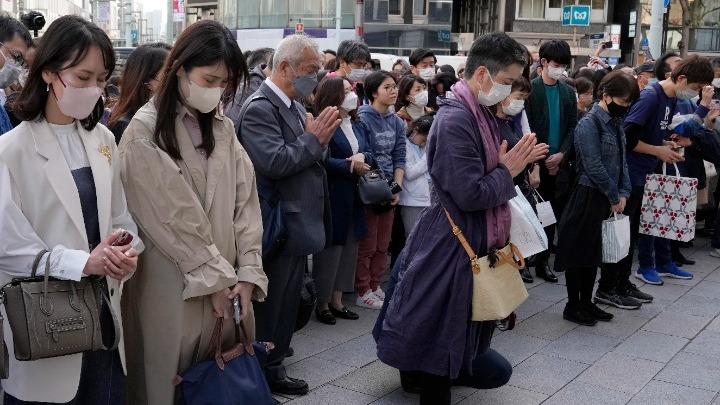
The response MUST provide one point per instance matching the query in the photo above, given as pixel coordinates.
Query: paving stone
(692, 370)
(652, 346)
(662, 393)
(306, 346)
(545, 326)
(709, 289)
(619, 372)
(580, 346)
(317, 371)
(549, 292)
(698, 306)
(545, 374)
(691, 283)
(376, 379)
(530, 307)
(674, 324)
(338, 333)
(330, 394)
(648, 310)
(516, 347)
(587, 394)
(714, 325)
(507, 395)
(707, 343)
(557, 308)
(668, 292)
(621, 327)
(357, 352)
(715, 275)
(400, 397)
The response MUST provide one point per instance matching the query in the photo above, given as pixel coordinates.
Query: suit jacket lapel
(290, 119)
(98, 154)
(58, 173)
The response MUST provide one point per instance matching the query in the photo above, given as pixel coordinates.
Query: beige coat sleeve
(166, 208)
(248, 225)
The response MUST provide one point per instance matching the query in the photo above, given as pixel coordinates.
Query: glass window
(395, 7)
(248, 14)
(347, 12)
(532, 8)
(273, 13)
(596, 4)
(308, 9)
(420, 7)
(440, 11)
(376, 10)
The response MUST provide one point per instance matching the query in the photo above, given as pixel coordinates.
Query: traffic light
(299, 28)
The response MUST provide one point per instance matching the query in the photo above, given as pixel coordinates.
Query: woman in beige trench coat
(191, 189)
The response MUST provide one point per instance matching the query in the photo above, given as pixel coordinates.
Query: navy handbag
(233, 377)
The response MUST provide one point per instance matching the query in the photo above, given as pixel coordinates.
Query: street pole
(656, 28)
(338, 19)
(128, 24)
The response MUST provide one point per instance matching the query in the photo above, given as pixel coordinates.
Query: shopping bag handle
(664, 170)
(516, 263)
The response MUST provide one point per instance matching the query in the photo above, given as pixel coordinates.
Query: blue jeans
(647, 245)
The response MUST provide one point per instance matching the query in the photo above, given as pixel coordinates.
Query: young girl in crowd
(192, 187)
(412, 98)
(603, 184)
(509, 114)
(350, 157)
(65, 168)
(139, 82)
(386, 135)
(416, 184)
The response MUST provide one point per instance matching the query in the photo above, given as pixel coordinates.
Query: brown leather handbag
(50, 317)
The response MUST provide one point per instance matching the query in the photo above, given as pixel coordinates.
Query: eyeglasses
(15, 55)
(390, 89)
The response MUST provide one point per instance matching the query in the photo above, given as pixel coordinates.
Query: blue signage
(666, 3)
(134, 35)
(443, 35)
(576, 15)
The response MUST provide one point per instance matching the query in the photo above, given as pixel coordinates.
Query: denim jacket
(601, 160)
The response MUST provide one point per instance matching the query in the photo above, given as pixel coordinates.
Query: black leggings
(580, 282)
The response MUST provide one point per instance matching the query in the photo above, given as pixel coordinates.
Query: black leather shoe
(597, 313)
(576, 314)
(344, 313)
(544, 272)
(410, 382)
(680, 259)
(289, 386)
(325, 317)
(526, 276)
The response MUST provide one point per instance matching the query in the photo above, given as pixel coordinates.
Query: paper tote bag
(615, 238)
(526, 231)
(545, 212)
(669, 206)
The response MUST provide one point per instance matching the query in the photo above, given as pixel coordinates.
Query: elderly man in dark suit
(289, 150)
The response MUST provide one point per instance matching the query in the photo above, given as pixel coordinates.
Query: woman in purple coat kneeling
(428, 328)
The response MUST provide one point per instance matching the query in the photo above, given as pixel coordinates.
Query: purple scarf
(497, 218)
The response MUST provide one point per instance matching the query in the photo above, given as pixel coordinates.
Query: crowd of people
(230, 170)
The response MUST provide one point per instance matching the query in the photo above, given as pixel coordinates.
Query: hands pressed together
(324, 126)
(526, 151)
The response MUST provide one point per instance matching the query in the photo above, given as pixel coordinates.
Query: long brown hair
(204, 43)
(142, 66)
(331, 93)
(66, 41)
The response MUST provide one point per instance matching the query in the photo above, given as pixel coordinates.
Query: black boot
(575, 313)
(543, 271)
(526, 276)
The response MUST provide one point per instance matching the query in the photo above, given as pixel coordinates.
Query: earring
(47, 88)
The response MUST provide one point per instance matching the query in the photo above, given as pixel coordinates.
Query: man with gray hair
(288, 148)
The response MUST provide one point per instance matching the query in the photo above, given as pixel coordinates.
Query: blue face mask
(304, 85)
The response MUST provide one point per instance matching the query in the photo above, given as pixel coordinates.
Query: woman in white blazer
(60, 191)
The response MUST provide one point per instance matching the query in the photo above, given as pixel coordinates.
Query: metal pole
(338, 19)
(170, 29)
(638, 32)
(500, 16)
(656, 28)
(128, 24)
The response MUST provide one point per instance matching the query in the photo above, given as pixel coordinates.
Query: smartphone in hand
(236, 309)
(124, 238)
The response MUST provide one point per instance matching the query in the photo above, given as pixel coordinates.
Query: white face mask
(516, 106)
(350, 102)
(555, 72)
(716, 83)
(204, 99)
(498, 92)
(9, 72)
(421, 99)
(427, 73)
(357, 75)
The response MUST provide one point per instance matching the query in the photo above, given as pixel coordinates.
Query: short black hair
(597, 78)
(696, 69)
(373, 82)
(10, 26)
(584, 72)
(556, 50)
(447, 69)
(419, 54)
(421, 125)
(619, 84)
(260, 56)
(496, 51)
(661, 65)
(331, 52)
(583, 85)
(351, 51)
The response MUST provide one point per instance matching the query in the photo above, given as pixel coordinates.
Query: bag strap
(474, 259)
(36, 262)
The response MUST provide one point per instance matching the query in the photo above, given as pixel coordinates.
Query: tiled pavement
(667, 352)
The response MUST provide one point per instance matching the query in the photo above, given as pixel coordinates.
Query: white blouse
(346, 126)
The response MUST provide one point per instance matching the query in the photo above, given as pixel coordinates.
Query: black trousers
(275, 317)
(580, 282)
(616, 274)
(548, 191)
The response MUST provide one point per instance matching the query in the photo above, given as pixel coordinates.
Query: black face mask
(615, 110)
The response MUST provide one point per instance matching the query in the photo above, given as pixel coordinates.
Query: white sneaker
(715, 253)
(380, 294)
(368, 300)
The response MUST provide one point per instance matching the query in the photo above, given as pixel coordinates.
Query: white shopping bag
(545, 212)
(669, 206)
(526, 231)
(615, 238)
